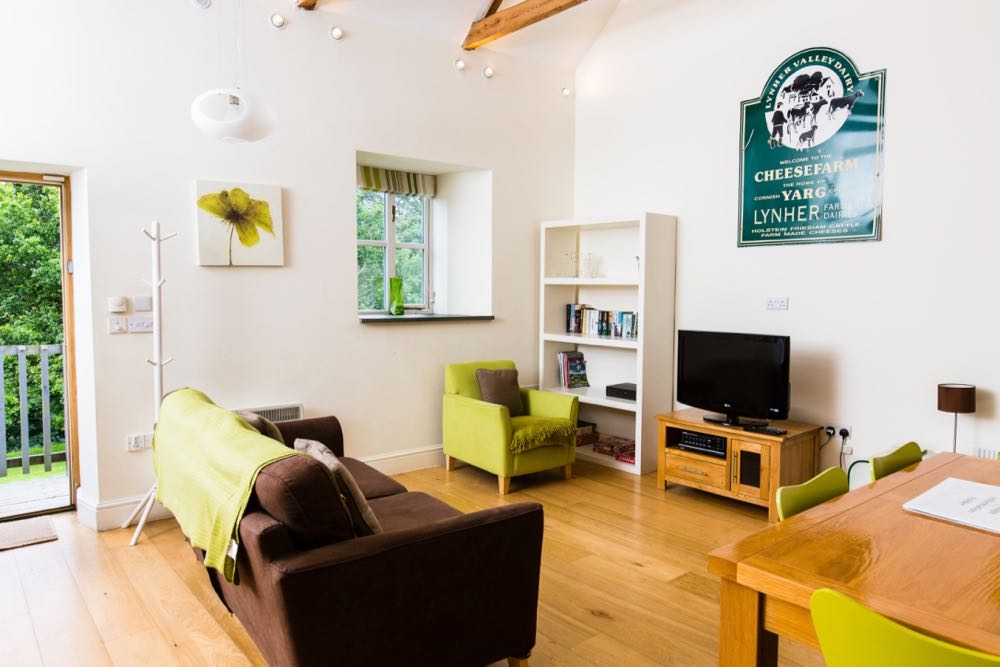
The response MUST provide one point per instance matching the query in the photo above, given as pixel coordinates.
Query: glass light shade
(232, 115)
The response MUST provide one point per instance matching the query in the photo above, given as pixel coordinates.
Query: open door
(38, 472)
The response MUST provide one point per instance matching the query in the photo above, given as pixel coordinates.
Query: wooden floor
(623, 580)
(33, 495)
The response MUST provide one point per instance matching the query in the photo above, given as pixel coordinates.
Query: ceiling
(561, 40)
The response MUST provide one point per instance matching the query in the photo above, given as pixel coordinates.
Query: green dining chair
(903, 457)
(852, 635)
(791, 500)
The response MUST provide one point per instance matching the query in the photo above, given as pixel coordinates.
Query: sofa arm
(459, 591)
(323, 429)
(539, 403)
(264, 537)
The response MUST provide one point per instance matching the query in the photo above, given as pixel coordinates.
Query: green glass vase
(395, 296)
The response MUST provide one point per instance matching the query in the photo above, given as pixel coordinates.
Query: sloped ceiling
(561, 40)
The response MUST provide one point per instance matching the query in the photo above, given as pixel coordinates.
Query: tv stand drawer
(700, 471)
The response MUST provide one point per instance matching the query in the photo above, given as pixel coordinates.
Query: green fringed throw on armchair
(484, 434)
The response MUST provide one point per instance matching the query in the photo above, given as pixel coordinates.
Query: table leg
(743, 640)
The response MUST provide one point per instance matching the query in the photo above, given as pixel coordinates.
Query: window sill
(385, 318)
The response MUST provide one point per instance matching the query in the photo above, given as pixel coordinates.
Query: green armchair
(486, 436)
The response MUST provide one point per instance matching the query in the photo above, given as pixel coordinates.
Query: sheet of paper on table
(960, 501)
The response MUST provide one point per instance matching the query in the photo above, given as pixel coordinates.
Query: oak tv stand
(755, 465)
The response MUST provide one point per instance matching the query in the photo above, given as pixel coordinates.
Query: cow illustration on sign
(796, 121)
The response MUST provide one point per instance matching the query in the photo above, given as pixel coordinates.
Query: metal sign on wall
(811, 153)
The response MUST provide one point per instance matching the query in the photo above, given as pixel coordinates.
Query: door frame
(62, 182)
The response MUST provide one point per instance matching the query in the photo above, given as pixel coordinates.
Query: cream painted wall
(874, 326)
(463, 263)
(106, 88)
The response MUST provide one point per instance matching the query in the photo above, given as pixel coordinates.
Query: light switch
(142, 303)
(117, 325)
(140, 324)
(117, 304)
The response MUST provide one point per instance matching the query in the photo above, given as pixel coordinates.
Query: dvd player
(702, 443)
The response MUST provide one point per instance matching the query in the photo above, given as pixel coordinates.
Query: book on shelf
(589, 321)
(613, 445)
(626, 456)
(586, 433)
(572, 370)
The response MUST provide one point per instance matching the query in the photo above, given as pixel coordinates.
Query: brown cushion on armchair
(500, 386)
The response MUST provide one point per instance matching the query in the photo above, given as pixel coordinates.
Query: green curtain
(396, 182)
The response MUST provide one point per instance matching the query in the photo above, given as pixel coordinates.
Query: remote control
(770, 430)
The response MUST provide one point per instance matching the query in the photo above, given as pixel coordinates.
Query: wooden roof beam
(496, 24)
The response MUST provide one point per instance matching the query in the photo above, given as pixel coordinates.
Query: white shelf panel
(595, 396)
(594, 282)
(599, 341)
(585, 453)
(592, 223)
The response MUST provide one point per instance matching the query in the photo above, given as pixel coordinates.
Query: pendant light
(233, 115)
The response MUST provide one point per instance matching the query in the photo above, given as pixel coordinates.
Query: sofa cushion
(262, 425)
(362, 518)
(372, 483)
(299, 492)
(500, 386)
(410, 510)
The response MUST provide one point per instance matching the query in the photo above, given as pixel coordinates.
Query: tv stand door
(751, 466)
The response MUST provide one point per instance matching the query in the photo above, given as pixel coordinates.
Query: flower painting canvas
(239, 224)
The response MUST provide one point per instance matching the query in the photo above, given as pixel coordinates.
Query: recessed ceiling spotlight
(566, 92)
(488, 72)
(277, 21)
(202, 4)
(459, 64)
(337, 33)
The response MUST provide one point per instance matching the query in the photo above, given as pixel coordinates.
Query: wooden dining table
(937, 577)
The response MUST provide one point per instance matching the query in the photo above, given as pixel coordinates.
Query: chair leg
(504, 484)
(568, 471)
(449, 463)
(517, 662)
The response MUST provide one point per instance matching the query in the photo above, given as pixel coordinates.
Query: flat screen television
(735, 374)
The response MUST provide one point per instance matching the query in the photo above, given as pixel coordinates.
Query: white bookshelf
(622, 264)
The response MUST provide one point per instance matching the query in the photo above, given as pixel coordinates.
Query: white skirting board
(108, 515)
(405, 460)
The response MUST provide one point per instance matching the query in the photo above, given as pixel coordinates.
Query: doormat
(14, 534)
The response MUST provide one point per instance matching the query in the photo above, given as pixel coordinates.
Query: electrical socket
(139, 441)
(848, 451)
(777, 303)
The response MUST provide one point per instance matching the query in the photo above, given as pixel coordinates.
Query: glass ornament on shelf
(590, 267)
(567, 267)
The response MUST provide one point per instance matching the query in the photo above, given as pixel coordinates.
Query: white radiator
(278, 413)
(985, 453)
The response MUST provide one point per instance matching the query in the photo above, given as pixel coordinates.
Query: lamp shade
(958, 398)
(232, 115)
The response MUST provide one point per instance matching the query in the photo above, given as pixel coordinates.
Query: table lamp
(956, 398)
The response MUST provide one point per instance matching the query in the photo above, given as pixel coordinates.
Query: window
(393, 240)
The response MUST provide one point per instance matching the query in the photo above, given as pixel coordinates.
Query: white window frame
(390, 245)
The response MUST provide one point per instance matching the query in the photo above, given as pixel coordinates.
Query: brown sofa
(437, 587)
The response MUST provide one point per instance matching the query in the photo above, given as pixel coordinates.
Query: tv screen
(738, 375)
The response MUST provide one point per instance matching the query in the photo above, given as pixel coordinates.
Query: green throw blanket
(534, 432)
(206, 460)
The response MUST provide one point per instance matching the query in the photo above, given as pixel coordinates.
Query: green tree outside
(371, 226)
(31, 303)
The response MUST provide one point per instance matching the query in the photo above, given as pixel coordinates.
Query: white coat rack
(157, 362)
